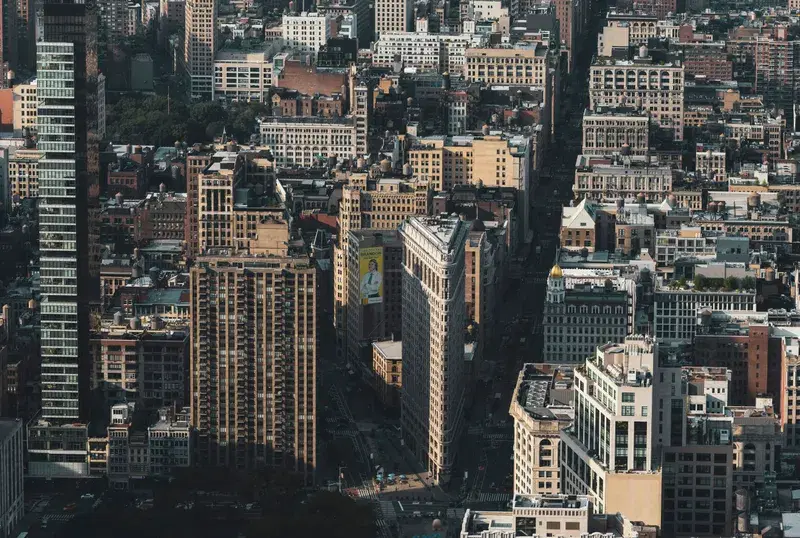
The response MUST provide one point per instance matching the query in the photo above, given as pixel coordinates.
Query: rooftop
(391, 349)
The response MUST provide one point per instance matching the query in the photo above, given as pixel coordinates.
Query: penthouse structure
(541, 408)
(433, 340)
(654, 86)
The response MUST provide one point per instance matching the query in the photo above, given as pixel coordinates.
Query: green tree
(731, 283)
(700, 282)
(749, 283)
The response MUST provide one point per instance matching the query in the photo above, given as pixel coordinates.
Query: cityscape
(399, 268)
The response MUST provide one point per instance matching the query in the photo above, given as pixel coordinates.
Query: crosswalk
(475, 430)
(388, 511)
(383, 528)
(59, 517)
(345, 433)
(366, 492)
(493, 497)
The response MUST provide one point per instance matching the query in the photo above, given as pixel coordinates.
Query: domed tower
(555, 285)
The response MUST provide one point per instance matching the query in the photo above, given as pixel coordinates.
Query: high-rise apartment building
(66, 69)
(254, 361)
(434, 319)
(393, 16)
(609, 452)
(12, 502)
(776, 59)
(654, 86)
(200, 44)
(253, 327)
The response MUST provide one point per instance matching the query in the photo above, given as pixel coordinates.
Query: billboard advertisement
(370, 262)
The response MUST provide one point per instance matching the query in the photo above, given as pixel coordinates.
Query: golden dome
(556, 272)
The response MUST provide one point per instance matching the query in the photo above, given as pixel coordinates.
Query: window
(628, 410)
(644, 410)
(628, 397)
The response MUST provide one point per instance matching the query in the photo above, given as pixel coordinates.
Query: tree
(731, 283)
(748, 283)
(700, 282)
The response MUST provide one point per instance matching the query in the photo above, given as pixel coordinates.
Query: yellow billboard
(370, 261)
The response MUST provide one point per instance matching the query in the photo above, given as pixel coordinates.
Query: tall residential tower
(200, 36)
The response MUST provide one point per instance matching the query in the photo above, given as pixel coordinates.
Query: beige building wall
(24, 106)
(659, 89)
(637, 496)
(23, 173)
(243, 76)
(393, 16)
(527, 67)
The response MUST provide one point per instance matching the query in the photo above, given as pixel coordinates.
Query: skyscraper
(199, 46)
(434, 323)
(63, 227)
(253, 333)
(57, 442)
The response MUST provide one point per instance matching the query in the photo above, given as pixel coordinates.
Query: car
(70, 507)
(482, 468)
(87, 496)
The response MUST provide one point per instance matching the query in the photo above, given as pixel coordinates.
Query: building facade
(253, 366)
(615, 130)
(538, 421)
(12, 501)
(433, 340)
(576, 321)
(200, 45)
(653, 86)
